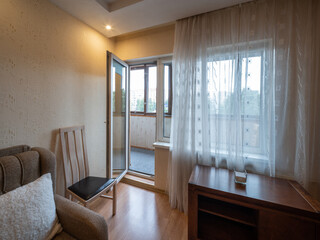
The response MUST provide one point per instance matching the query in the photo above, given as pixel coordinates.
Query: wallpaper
(52, 75)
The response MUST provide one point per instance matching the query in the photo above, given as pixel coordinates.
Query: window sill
(163, 145)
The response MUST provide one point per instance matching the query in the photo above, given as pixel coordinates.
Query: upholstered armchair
(21, 165)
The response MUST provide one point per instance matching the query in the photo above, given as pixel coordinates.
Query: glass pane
(250, 96)
(118, 118)
(167, 101)
(224, 86)
(152, 89)
(250, 86)
(137, 90)
(166, 89)
(221, 86)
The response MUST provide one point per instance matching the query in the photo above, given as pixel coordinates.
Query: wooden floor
(141, 214)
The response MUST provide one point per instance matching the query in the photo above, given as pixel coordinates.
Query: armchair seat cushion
(90, 186)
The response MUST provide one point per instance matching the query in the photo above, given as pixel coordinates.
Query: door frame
(109, 112)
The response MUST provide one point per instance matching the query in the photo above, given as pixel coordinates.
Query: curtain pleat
(246, 93)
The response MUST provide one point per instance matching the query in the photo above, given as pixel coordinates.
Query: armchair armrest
(80, 222)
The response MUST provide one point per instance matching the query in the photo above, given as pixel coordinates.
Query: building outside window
(143, 89)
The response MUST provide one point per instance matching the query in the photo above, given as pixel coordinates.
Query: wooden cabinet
(265, 208)
(282, 226)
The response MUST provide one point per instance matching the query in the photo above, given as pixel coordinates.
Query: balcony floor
(142, 161)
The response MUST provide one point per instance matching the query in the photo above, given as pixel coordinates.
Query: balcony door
(117, 117)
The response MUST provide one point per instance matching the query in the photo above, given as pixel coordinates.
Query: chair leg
(114, 205)
(68, 196)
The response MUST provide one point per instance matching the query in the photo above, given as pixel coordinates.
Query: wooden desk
(265, 208)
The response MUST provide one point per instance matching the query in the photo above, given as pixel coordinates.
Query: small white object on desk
(240, 177)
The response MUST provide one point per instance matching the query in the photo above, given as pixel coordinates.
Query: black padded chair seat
(90, 186)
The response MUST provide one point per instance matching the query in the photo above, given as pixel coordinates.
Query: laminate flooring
(141, 214)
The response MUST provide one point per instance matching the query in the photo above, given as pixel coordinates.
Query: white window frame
(160, 99)
(144, 66)
(161, 61)
(253, 53)
(257, 154)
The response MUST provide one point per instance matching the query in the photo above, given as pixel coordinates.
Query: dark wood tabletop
(263, 191)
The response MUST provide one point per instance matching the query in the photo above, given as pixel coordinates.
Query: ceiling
(126, 16)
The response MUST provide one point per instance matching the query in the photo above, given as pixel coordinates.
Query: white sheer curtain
(245, 87)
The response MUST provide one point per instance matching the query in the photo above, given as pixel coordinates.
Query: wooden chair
(79, 184)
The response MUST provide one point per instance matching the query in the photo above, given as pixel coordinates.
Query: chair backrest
(20, 165)
(74, 153)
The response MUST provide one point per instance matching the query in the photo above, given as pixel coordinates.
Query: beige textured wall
(52, 75)
(153, 42)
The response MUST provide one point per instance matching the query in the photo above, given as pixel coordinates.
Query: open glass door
(117, 117)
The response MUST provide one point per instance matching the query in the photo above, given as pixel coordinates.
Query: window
(233, 80)
(118, 96)
(151, 93)
(167, 99)
(164, 90)
(137, 90)
(143, 87)
(152, 89)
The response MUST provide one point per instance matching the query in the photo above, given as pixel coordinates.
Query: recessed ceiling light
(108, 27)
